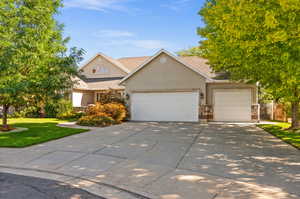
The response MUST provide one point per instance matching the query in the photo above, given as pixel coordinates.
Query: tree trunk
(42, 110)
(4, 119)
(295, 115)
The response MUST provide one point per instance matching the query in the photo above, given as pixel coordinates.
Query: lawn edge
(23, 147)
(289, 143)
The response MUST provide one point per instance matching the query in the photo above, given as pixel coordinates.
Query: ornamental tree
(33, 58)
(256, 41)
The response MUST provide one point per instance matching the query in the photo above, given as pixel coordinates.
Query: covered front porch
(84, 98)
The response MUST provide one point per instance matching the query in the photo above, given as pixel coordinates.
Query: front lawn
(39, 130)
(278, 131)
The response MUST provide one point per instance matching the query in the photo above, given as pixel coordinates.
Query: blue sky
(124, 28)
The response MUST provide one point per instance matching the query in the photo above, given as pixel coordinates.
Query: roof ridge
(133, 57)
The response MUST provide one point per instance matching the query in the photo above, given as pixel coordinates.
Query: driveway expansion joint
(189, 148)
(27, 162)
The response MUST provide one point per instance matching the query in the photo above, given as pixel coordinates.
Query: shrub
(71, 116)
(103, 115)
(116, 111)
(29, 111)
(51, 109)
(101, 120)
(94, 109)
(64, 108)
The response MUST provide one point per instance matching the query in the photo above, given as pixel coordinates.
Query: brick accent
(206, 112)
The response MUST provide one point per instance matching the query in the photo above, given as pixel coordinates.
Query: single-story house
(166, 87)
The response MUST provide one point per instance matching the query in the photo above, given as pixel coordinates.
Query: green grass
(39, 130)
(279, 131)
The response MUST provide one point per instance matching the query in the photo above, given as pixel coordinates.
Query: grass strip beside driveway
(279, 131)
(39, 130)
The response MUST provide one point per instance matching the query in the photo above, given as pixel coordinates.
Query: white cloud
(99, 5)
(121, 38)
(113, 33)
(175, 5)
(142, 44)
(150, 44)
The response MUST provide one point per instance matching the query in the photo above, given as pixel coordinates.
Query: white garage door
(179, 106)
(232, 105)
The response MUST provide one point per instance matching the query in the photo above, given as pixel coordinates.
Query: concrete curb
(75, 126)
(107, 191)
(16, 130)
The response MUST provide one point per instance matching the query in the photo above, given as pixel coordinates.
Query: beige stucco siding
(212, 86)
(113, 71)
(169, 76)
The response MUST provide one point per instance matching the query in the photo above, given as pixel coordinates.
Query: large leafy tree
(194, 51)
(33, 58)
(258, 41)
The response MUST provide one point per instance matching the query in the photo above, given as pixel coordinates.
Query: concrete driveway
(167, 161)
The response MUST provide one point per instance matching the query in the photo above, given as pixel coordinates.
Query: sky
(130, 28)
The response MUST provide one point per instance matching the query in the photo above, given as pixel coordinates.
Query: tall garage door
(179, 106)
(232, 105)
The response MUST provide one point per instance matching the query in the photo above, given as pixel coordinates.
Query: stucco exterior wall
(113, 71)
(211, 86)
(165, 76)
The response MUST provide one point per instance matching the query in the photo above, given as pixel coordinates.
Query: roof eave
(156, 55)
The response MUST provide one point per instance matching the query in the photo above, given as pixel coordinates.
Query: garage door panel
(232, 105)
(181, 106)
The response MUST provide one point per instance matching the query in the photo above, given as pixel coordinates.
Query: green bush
(64, 109)
(30, 111)
(73, 115)
(51, 109)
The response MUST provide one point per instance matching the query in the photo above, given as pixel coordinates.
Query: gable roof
(132, 62)
(111, 60)
(149, 59)
(200, 63)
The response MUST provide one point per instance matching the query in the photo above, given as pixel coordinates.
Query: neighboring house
(165, 87)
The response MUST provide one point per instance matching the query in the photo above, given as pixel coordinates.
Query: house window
(163, 60)
(109, 96)
(100, 70)
(103, 70)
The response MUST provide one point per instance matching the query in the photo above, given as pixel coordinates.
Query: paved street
(23, 187)
(167, 161)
